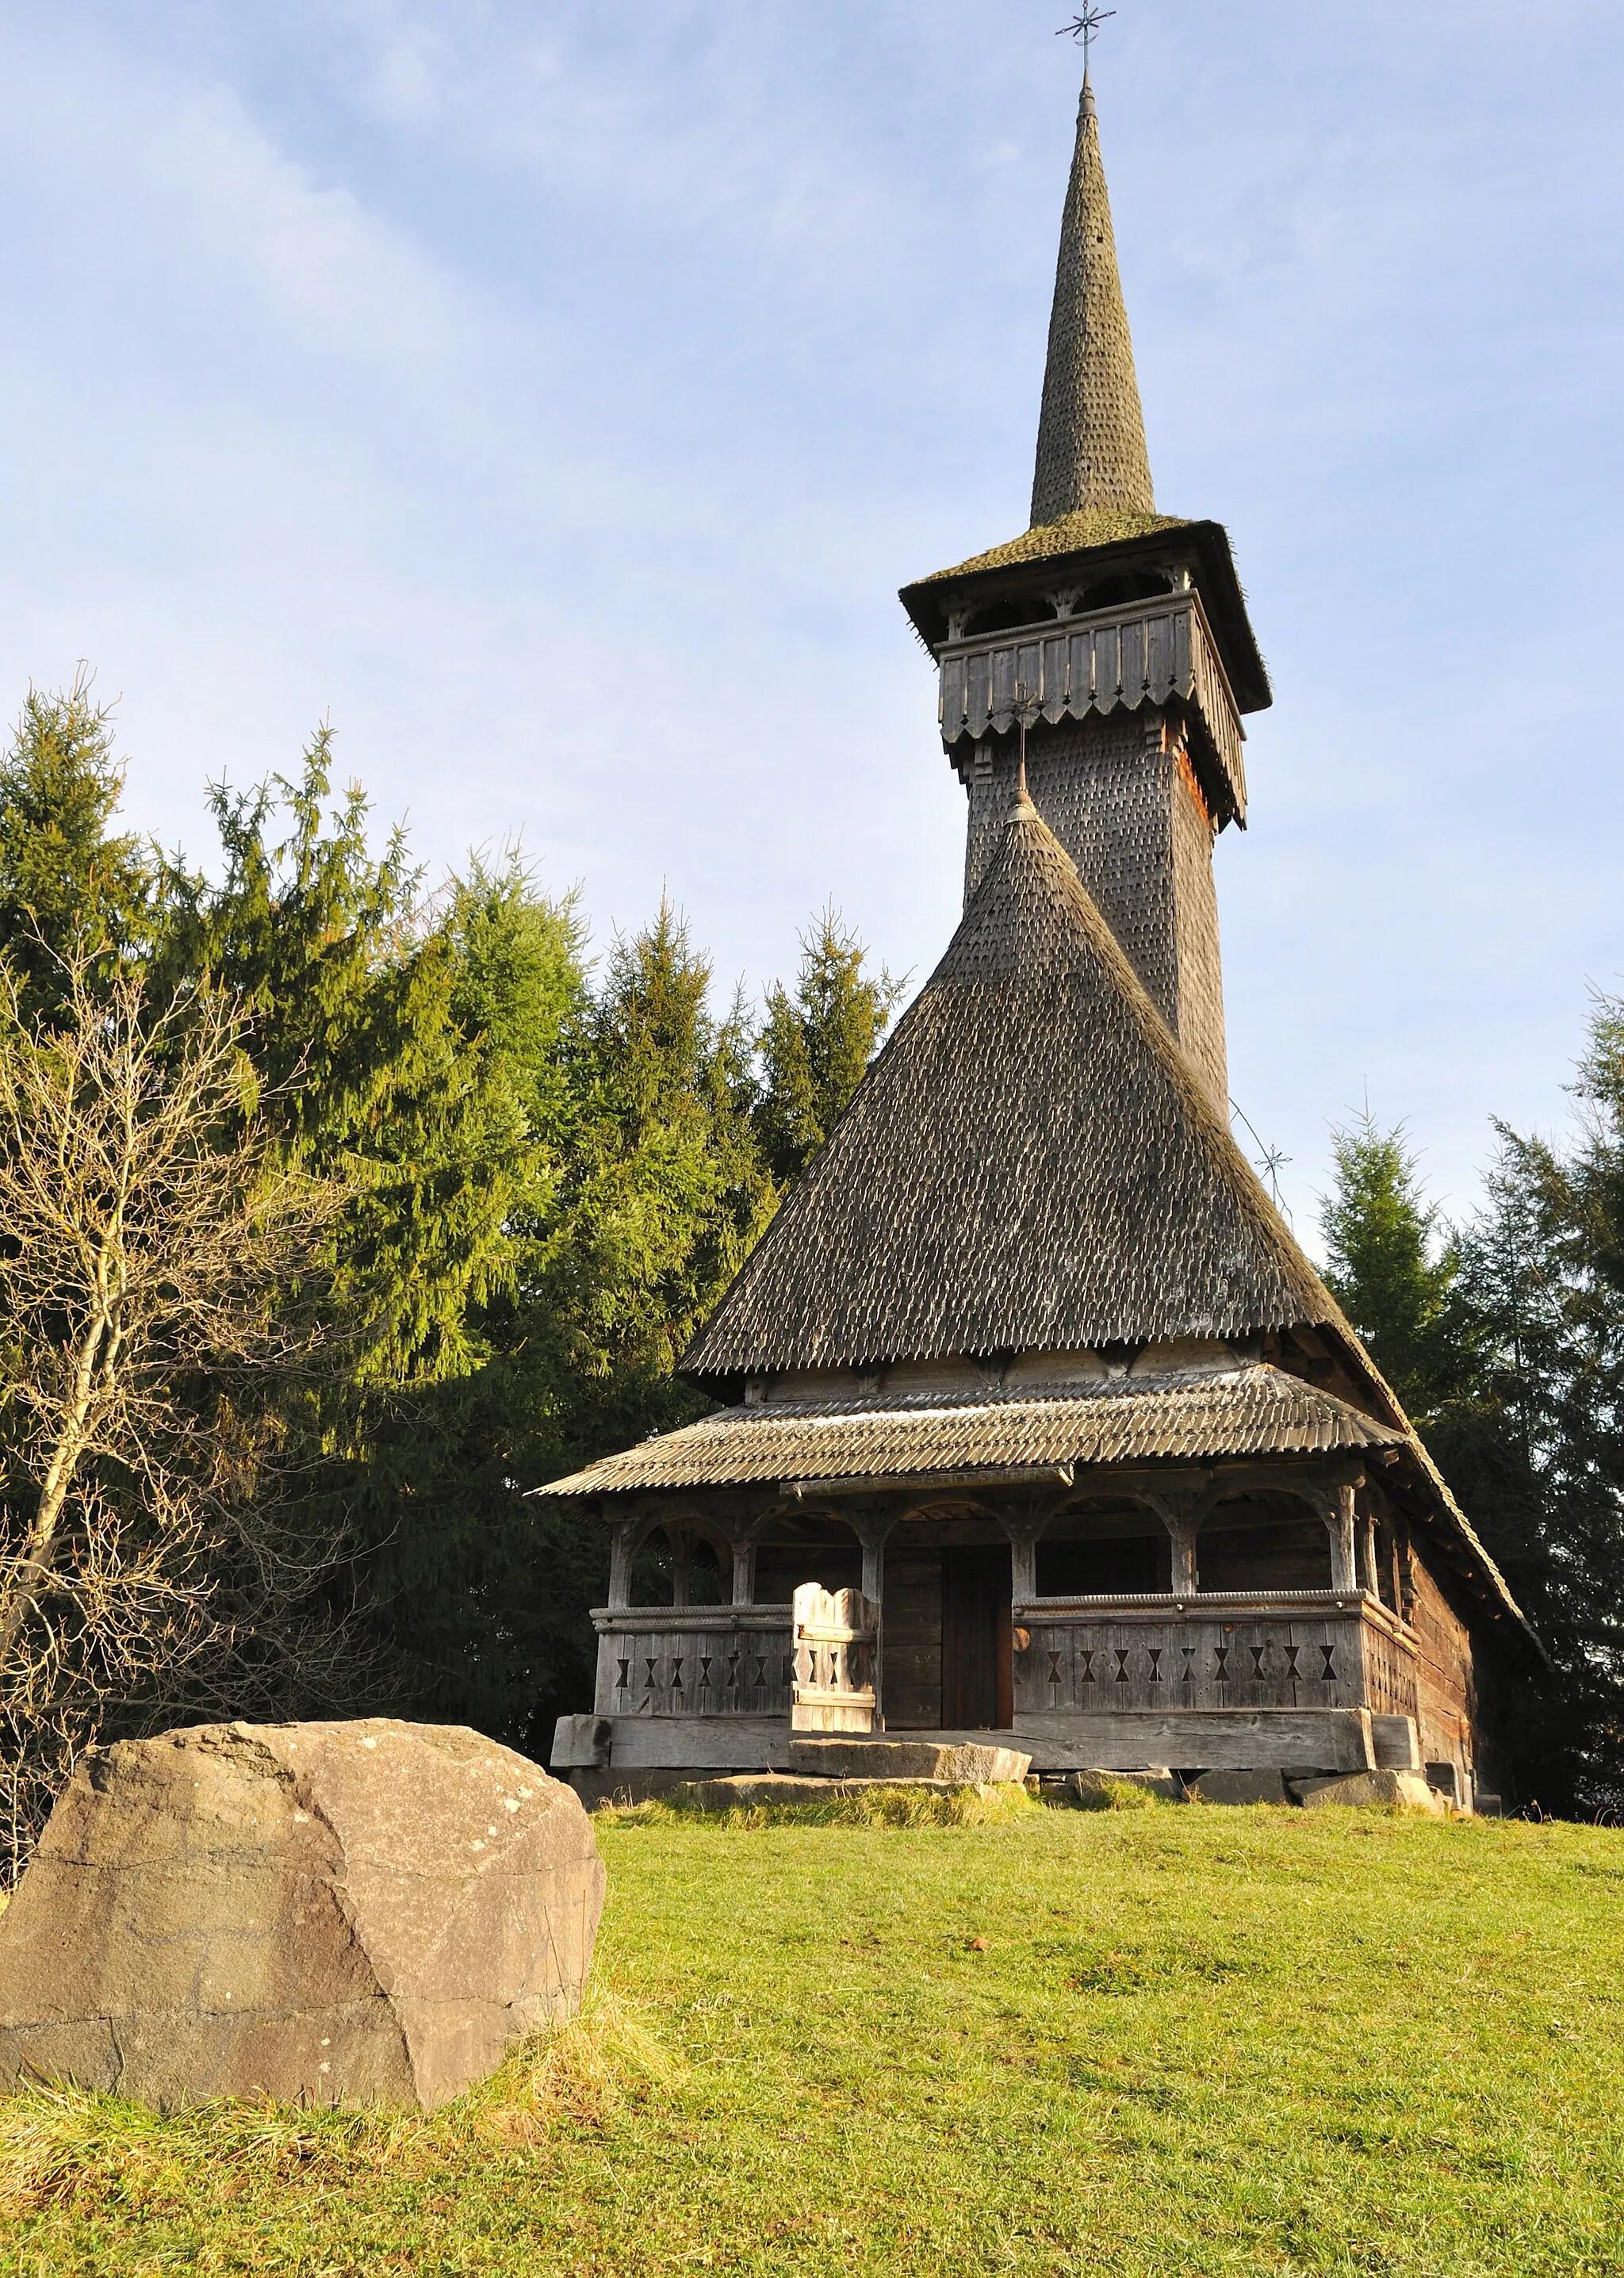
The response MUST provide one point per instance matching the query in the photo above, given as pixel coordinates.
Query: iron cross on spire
(1027, 708)
(1084, 27)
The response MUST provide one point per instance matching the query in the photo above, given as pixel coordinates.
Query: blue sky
(556, 395)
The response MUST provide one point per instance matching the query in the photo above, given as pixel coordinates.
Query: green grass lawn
(1166, 2041)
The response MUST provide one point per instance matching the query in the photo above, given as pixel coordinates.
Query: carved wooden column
(623, 1538)
(1338, 1509)
(1181, 1515)
(682, 1565)
(1368, 1575)
(1404, 1557)
(741, 1536)
(871, 1528)
(1024, 1529)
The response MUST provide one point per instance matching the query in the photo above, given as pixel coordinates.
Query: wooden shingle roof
(1091, 433)
(1030, 1165)
(1256, 1410)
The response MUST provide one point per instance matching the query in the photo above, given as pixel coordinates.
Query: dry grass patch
(1122, 1795)
(993, 1804)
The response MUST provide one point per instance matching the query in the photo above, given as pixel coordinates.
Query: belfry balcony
(1153, 652)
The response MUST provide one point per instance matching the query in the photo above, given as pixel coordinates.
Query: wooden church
(1036, 1420)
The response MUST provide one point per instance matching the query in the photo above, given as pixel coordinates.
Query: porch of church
(1243, 1617)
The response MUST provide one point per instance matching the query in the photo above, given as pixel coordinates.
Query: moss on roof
(1092, 526)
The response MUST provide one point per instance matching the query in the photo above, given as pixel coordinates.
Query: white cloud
(172, 195)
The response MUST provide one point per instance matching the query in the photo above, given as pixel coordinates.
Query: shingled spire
(1030, 1166)
(1091, 438)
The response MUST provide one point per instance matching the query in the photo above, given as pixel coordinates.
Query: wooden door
(978, 1693)
(911, 1679)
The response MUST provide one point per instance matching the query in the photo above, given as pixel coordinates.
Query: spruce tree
(69, 881)
(350, 982)
(816, 1045)
(666, 1192)
(1545, 1268)
(480, 1593)
(1395, 1272)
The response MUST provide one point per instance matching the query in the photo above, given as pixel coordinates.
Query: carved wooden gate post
(833, 1644)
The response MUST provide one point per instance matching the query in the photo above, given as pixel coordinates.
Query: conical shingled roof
(1030, 1165)
(1092, 457)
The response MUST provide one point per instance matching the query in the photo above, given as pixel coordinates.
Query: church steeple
(1091, 438)
(1114, 641)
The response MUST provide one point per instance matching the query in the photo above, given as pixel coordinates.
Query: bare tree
(152, 1252)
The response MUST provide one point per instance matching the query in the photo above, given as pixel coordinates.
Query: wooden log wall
(1447, 1671)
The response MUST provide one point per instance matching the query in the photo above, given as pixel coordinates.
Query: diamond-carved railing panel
(712, 1665)
(1352, 1657)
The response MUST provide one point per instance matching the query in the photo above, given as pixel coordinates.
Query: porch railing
(1284, 1649)
(1290, 1649)
(694, 1660)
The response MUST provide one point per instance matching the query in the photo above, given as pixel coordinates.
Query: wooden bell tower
(1120, 636)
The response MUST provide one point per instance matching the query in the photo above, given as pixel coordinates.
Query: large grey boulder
(371, 1911)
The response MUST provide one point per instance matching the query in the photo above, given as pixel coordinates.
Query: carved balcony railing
(693, 1661)
(1142, 653)
(1292, 1649)
(1288, 1649)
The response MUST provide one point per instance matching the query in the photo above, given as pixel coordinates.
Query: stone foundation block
(1085, 1791)
(582, 1743)
(1374, 1790)
(369, 1911)
(743, 1790)
(1242, 1787)
(958, 1763)
(1397, 1746)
